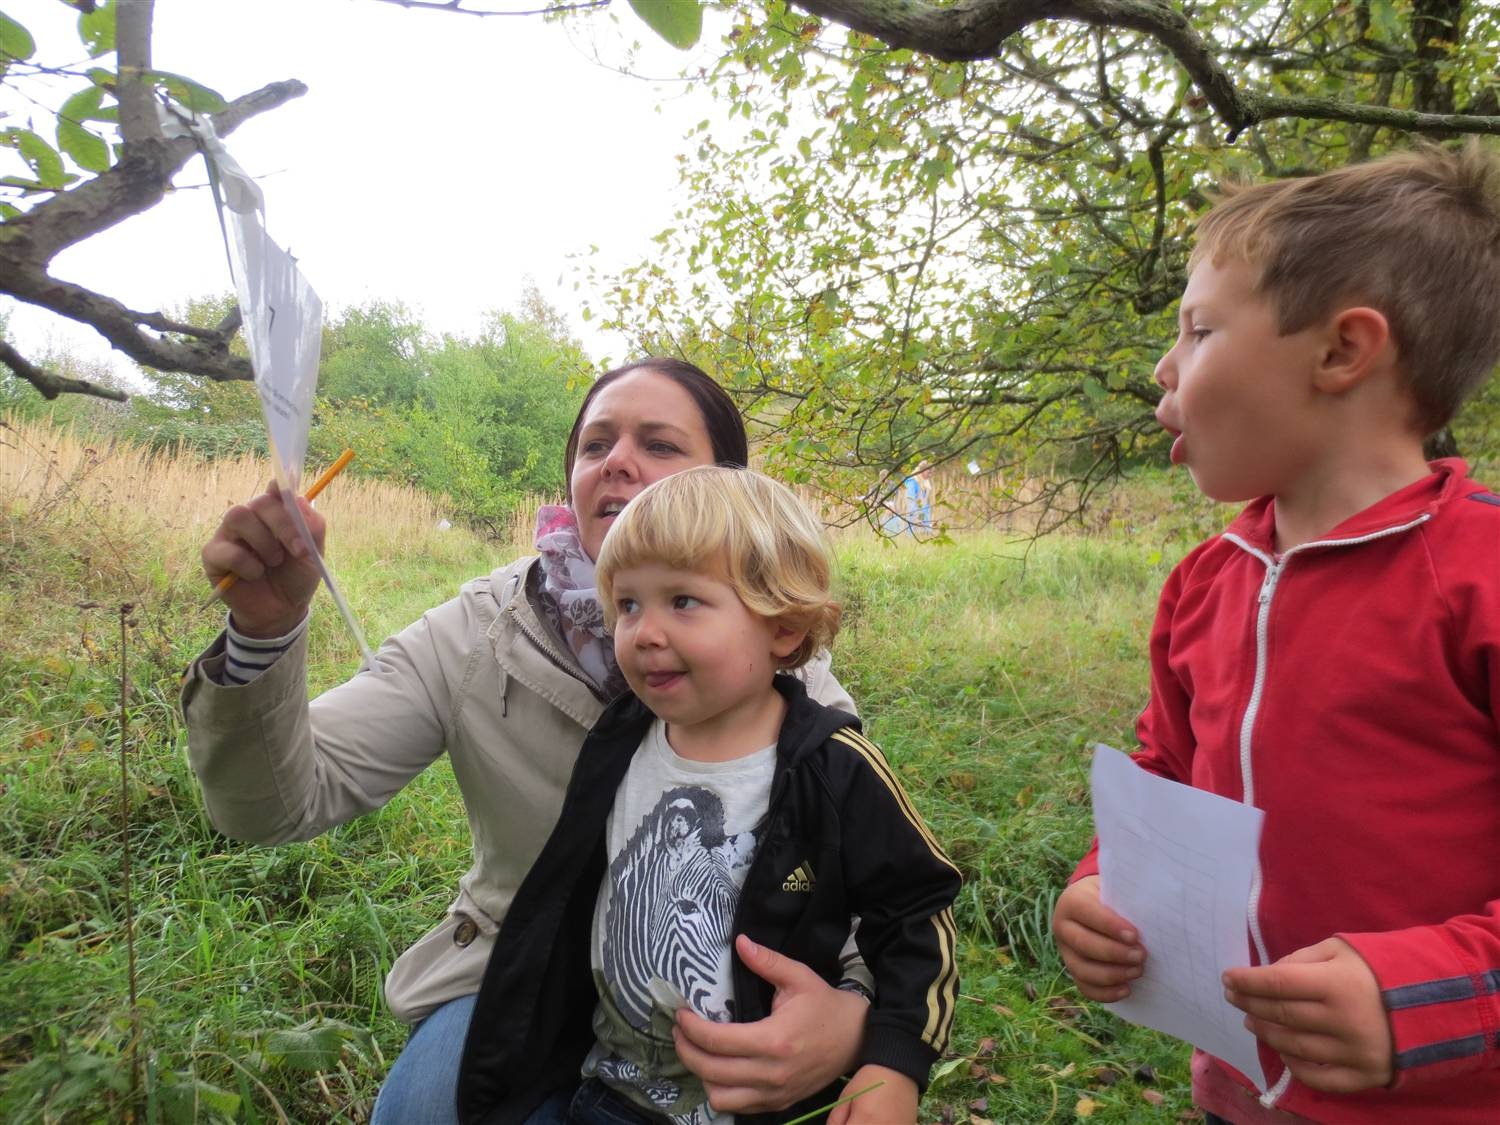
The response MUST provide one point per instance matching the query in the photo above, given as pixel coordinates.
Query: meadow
(153, 970)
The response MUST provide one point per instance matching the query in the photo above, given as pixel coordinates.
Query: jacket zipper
(1274, 569)
(545, 644)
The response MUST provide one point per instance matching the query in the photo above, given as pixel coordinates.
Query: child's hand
(1320, 1008)
(893, 1102)
(1102, 951)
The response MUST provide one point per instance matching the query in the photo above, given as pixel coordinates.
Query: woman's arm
(275, 768)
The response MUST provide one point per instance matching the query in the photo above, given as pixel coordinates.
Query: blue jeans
(594, 1103)
(422, 1087)
(591, 1103)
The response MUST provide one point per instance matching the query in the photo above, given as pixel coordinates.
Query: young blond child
(713, 809)
(1333, 658)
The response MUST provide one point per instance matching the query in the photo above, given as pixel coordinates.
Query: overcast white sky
(437, 159)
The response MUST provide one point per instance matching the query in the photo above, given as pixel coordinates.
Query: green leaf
(88, 151)
(187, 1098)
(42, 157)
(97, 29)
(15, 41)
(859, 86)
(943, 1070)
(949, 81)
(1384, 21)
(193, 95)
(679, 22)
(84, 105)
(317, 1048)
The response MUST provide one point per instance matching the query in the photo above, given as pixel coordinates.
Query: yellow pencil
(318, 486)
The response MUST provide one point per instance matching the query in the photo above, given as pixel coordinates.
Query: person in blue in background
(918, 495)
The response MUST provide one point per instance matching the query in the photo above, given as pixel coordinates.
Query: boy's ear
(1358, 341)
(786, 640)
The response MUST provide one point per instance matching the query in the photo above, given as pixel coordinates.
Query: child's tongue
(1179, 450)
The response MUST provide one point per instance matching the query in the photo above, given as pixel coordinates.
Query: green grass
(982, 668)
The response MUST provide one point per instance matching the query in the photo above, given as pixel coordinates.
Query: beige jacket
(481, 677)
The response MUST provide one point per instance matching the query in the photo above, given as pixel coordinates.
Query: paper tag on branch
(283, 325)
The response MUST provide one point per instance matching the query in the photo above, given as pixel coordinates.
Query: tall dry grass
(86, 522)
(43, 469)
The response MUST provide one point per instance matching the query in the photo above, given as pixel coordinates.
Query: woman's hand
(810, 1038)
(259, 543)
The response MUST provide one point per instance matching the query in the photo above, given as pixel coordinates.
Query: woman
(506, 678)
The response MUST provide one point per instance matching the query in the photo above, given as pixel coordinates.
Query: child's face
(1239, 394)
(693, 652)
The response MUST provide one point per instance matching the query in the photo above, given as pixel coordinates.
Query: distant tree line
(479, 420)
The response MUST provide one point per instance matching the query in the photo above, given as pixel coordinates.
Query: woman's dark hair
(721, 418)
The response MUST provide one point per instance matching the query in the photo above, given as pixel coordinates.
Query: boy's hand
(1320, 1008)
(1102, 951)
(893, 1102)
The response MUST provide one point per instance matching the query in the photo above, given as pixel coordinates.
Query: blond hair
(1414, 235)
(738, 525)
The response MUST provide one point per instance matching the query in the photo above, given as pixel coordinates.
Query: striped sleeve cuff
(245, 658)
(1443, 1008)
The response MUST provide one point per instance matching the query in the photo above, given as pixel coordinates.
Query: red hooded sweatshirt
(1348, 688)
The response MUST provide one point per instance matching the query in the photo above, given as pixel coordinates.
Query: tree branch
(456, 7)
(121, 327)
(135, 184)
(51, 385)
(975, 29)
(1408, 120)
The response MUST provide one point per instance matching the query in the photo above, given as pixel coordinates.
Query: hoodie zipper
(1274, 569)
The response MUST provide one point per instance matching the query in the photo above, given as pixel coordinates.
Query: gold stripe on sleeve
(882, 769)
(942, 996)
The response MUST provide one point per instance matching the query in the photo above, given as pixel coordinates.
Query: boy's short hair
(1414, 235)
(742, 526)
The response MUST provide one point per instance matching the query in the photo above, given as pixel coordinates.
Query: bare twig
(51, 385)
(135, 1013)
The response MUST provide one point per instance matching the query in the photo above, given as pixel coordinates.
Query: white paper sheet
(1177, 862)
(283, 324)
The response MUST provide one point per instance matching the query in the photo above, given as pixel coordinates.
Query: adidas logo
(801, 879)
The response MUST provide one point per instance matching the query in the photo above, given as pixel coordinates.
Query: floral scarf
(570, 599)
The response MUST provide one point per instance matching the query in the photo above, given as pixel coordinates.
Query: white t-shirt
(680, 840)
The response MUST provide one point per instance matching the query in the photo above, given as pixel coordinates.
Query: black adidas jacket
(836, 807)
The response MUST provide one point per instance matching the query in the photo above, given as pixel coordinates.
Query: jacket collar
(808, 724)
(1255, 527)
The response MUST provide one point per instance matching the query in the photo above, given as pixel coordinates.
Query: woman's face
(639, 429)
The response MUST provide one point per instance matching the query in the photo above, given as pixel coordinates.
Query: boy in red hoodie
(1333, 658)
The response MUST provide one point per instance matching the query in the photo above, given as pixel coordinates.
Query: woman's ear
(1358, 344)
